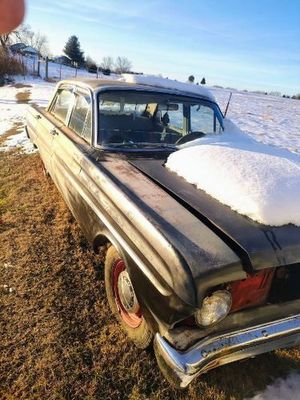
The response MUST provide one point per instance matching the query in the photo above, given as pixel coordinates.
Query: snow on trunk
(261, 185)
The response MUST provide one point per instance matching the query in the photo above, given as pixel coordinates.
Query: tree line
(73, 50)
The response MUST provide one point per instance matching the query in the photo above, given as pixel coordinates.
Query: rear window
(135, 118)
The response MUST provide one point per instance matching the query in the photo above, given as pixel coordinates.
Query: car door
(42, 134)
(70, 145)
(50, 124)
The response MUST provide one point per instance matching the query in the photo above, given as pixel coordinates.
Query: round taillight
(214, 308)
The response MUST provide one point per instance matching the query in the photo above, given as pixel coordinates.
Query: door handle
(53, 132)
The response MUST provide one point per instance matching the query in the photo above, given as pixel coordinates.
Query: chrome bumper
(180, 368)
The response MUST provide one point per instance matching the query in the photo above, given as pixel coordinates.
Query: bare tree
(40, 43)
(122, 64)
(6, 39)
(107, 63)
(23, 34)
(36, 40)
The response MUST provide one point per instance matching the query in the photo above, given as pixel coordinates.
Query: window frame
(214, 120)
(97, 136)
(78, 91)
(51, 107)
(75, 89)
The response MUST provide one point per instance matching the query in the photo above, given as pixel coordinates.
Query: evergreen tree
(72, 50)
(203, 82)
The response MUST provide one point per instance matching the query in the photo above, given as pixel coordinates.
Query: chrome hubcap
(127, 294)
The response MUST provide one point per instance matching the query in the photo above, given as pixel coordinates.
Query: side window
(81, 118)
(176, 118)
(203, 119)
(62, 103)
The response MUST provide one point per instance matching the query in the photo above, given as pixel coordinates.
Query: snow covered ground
(58, 71)
(12, 111)
(269, 119)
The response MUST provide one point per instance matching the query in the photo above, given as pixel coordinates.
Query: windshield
(143, 119)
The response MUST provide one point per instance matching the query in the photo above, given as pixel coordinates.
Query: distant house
(62, 60)
(29, 51)
(17, 47)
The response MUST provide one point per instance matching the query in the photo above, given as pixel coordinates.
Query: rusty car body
(179, 245)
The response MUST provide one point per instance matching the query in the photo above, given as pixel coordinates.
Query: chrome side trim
(180, 368)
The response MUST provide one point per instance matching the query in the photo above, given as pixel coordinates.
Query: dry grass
(9, 66)
(58, 339)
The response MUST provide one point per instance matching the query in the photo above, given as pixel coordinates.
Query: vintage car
(205, 285)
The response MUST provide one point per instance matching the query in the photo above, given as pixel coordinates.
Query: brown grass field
(58, 339)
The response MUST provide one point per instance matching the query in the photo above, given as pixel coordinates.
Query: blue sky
(243, 44)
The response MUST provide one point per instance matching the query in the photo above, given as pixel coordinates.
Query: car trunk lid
(259, 246)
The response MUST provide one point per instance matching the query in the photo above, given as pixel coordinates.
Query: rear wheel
(122, 300)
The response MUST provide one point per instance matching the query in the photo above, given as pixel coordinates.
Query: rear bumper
(180, 368)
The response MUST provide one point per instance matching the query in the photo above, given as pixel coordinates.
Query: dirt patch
(58, 339)
(10, 132)
(23, 97)
(51, 80)
(20, 85)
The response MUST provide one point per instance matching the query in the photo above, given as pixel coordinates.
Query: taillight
(252, 291)
(214, 308)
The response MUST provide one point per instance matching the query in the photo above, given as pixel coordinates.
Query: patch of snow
(253, 179)
(19, 140)
(10, 115)
(282, 389)
(13, 113)
(152, 80)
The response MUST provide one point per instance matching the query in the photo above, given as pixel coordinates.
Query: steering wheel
(190, 136)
